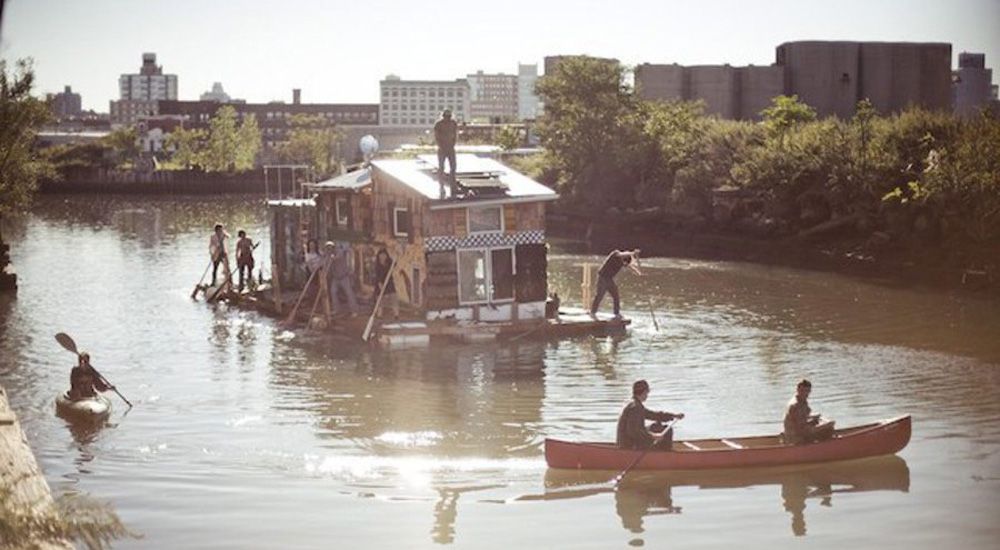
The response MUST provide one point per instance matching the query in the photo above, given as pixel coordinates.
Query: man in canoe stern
(632, 430)
(801, 426)
(84, 382)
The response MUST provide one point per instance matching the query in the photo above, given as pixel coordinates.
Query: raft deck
(412, 330)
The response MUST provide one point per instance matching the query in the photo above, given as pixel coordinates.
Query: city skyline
(247, 47)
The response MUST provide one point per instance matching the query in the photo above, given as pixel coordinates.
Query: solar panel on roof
(468, 164)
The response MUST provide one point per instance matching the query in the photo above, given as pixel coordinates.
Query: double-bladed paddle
(66, 342)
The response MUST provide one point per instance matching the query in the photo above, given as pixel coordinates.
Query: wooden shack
(479, 255)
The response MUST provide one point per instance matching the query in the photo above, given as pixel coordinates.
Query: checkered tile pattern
(484, 240)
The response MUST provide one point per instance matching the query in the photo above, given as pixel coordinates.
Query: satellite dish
(368, 146)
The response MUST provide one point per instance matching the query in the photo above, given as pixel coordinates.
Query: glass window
(502, 273)
(486, 220)
(485, 275)
(342, 206)
(472, 284)
(401, 222)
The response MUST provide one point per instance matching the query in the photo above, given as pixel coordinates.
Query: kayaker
(801, 426)
(615, 261)
(632, 430)
(84, 380)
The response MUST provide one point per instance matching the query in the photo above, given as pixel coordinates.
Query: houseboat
(470, 258)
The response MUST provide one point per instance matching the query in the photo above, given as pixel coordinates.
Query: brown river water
(247, 436)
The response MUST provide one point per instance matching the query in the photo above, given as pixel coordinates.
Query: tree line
(908, 179)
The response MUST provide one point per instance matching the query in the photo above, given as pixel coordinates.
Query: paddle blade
(66, 342)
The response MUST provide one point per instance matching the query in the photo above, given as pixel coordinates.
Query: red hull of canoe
(888, 437)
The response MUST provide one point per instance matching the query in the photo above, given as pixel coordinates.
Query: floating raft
(570, 322)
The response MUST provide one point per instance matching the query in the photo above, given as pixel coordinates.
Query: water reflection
(645, 494)
(446, 511)
(450, 400)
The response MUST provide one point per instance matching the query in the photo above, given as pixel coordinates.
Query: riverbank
(25, 494)
(161, 182)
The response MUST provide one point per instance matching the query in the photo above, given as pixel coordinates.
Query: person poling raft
(614, 263)
(83, 399)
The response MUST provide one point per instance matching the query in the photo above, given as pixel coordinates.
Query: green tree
(188, 145)
(785, 113)
(124, 145)
(21, 115)
(509, 138)
(962, 179)
(230, 146)
(248, 138)
(314, 141)
(592, 131)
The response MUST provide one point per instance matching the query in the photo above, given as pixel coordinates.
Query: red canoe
(880, 438)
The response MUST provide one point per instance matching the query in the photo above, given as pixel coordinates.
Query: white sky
(337, 51)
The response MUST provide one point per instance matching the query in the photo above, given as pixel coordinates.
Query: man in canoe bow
(84, 382)
(801, 426)
(632, 430)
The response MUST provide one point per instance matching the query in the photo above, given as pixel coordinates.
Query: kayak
(92, 408)
(875, 439)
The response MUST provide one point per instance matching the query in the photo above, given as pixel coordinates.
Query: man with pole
(217, 250)
(615, 261)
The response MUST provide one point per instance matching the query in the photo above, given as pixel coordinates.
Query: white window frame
(468, 220)
(342, 218)
(395, 220)
(488, 254)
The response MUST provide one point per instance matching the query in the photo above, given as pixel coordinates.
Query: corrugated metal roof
(351, 180)
(420, 174)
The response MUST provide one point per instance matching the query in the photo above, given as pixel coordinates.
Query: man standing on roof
(446, 135)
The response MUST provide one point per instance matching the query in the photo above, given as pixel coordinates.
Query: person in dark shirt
(632, 430)
(84, 380)
(614, 263)
(383, 276)
(244, 257)
(446, 135)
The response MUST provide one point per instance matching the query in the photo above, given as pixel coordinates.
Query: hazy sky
(337, 51)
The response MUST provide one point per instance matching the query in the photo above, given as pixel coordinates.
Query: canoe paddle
(618, 478)
(66, 342)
